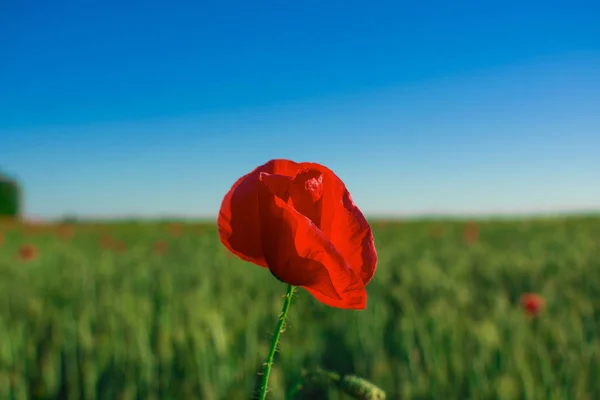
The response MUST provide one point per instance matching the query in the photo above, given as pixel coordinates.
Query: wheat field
(160, 310)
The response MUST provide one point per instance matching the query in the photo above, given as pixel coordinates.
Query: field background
(103, 312)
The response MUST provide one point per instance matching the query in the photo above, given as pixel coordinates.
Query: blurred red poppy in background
(160, 246)
(119, 246)
(532, 304)
(175, 229)
(27, 252)
(298, 220)
(471, 233)
(65, 232)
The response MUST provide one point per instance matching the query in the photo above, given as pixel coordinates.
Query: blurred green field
(103, 315)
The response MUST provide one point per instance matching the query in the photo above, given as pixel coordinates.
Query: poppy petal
(239, 220)
(298, 253)
(346, 227)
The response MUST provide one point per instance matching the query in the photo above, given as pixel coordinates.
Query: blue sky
(115, 108)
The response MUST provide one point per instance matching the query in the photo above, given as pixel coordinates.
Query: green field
(87, 319)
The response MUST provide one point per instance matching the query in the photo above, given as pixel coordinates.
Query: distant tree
(10, 197)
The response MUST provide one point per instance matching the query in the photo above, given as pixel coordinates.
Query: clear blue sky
(117, 108)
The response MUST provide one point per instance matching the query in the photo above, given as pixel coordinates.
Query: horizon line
(454, 215)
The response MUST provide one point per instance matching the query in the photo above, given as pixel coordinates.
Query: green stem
(276, 336)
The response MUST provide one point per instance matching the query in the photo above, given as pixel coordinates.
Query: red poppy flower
(532, 304)
(66, 232)
(106, 242)
(119, 246)
(27, 252)
(160, 246)
(298, 220)
(175, 229)
(471, 233)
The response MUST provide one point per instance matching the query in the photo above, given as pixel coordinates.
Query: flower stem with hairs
(278, 330)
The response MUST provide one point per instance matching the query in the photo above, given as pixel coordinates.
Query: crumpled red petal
(298, 253)
(239, 221)
(346, 227)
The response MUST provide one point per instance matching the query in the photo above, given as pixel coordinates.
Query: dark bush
(10, 197)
